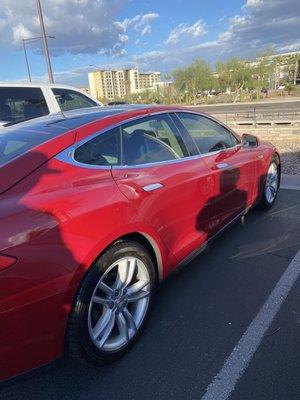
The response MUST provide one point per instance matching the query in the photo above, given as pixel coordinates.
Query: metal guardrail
(290, 116)
(252, 118)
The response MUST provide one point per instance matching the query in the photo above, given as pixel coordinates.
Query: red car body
(57, 218)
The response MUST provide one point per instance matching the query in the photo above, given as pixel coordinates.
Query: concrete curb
(291, 182)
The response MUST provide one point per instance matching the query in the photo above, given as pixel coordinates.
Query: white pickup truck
(23, 101)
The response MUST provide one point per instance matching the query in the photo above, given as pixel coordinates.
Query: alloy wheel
(272, 182)
(119, 304)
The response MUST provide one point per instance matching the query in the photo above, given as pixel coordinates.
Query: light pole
(24, 41)
(45, 43)
(26, 59)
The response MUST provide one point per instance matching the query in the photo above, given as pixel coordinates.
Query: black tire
(78, 341)
(265, 203)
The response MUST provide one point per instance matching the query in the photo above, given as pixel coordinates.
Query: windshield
(21, 103)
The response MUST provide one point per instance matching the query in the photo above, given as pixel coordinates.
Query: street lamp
(30, 40)
(45, 43)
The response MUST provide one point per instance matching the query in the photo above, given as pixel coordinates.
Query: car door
(231, 165)
(168, 187)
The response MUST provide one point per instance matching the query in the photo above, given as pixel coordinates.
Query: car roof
(73, 119)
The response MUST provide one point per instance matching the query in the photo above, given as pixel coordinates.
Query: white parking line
(225, 381)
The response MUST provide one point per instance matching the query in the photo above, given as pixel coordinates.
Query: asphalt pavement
(258, 107)
(201, 315)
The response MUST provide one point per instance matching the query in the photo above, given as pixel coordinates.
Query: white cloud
(264, 23)
(182, 32)
(80, 26)
(254, 3)
(90, 26)
(146, 30)
(140, 23)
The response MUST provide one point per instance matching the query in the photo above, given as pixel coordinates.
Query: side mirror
(250, 140)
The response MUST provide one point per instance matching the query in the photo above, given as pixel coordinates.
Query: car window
(21, 103)
(71, 100)
(15, 141)
(208, 135)
(102, 150)
(151, 139)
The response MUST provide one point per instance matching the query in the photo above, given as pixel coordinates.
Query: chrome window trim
(67, 155)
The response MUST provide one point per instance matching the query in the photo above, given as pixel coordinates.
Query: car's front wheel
(271, 184)
(112, 304)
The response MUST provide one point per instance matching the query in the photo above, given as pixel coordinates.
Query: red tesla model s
(97, 207)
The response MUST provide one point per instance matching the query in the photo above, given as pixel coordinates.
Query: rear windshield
(15, 142)
(21, 103)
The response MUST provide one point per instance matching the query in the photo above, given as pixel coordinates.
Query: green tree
(193, 79)
(263, 72)
(235, 75)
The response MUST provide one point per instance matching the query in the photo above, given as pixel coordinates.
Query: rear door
(231, 165)
(169, 187)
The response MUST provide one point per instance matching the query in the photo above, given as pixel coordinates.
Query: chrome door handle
(152, 187)
(222, 165)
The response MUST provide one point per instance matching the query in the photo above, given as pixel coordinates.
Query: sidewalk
(290, 182)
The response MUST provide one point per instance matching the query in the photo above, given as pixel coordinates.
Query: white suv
(23, 101)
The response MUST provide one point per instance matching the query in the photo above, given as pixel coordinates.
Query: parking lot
(200, 315)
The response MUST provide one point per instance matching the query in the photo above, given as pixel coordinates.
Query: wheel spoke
(141, 294)
(106, 289)
(129, 318)
(272, 190)
(101, 300)
(122, 325)
(131, 265)
(136, 287)
(104, 325)
(126, 269)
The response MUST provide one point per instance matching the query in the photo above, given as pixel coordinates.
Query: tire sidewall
(79, 326)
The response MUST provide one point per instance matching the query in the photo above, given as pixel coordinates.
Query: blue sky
(149, 34)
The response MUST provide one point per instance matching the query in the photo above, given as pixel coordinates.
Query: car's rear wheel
(112, 304)
(271, 184)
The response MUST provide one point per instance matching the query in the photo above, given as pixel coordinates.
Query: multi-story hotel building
(114, 84)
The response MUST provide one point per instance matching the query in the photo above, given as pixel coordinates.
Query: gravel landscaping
(288, 145)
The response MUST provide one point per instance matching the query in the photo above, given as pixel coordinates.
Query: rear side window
(102, 150)
(14, 141)
(208, 135)
(21, 103)
(71, 100)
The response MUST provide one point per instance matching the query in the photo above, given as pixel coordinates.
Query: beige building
(114, 84)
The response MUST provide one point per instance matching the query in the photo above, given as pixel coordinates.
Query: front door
(231, 166)
(169, 189)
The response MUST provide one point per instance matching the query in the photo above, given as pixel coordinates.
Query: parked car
(97, 207)
(24, 101)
